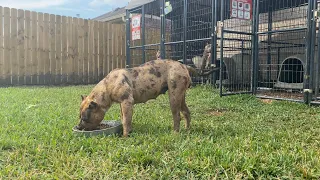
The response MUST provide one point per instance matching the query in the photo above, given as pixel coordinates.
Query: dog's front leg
(126, 116)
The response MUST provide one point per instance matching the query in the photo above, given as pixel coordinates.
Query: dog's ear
(93, 105)
(97, 100)
(83, 97)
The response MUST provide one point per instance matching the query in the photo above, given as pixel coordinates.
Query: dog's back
(151, 79)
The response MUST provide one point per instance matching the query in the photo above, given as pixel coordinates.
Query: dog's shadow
(150, 129)
(145, 129)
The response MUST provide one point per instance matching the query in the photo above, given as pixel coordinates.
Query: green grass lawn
(231, 137)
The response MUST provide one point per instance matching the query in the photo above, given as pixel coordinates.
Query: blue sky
(86, 8)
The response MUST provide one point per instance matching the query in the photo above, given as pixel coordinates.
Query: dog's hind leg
(185, 112)
(127, 111)
(175, 106)
(175, 97)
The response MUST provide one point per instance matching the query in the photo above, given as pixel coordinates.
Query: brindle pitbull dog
(138, 85)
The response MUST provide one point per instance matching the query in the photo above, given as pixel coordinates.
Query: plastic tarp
(136, 3)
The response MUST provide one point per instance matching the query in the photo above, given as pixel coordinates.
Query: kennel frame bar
(221, 46)
(185, 26)
(143, 34)
(307, 84)
(317, 62)
(128, 37)
(163, 39)
(214, 38)
(255, 46)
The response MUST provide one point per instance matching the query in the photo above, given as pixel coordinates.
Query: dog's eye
(92, 105)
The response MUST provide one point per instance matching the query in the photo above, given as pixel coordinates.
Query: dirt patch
(217, 112)
(267, 101)
(281, 94)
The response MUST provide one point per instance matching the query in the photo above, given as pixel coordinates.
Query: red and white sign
(136, 27)
(241, 9)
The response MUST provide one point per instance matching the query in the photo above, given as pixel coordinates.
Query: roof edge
(137, 3)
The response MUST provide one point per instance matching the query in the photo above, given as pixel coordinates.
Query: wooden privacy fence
(44, 49)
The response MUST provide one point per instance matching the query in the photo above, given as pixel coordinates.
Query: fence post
(221, 45)
(128, 38)
(307, 85)
(255, 44)
(314, 25)
(214, 14)
(185, 26)
(317, 64)
(163, 38)
(269, 44)
(143, 35)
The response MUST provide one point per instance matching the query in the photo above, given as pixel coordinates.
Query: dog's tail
(194, 72)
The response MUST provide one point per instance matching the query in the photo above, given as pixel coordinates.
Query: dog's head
(91, 113)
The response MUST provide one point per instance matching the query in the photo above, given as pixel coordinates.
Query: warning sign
(241, 9)
(136, 27)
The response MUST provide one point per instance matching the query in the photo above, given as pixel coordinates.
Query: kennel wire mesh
(187, 29)
(174, 42)
(198, 35)
(282, 49)
(144, 48)
(269, 54)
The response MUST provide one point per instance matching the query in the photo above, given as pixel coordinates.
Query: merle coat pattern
(138, 85)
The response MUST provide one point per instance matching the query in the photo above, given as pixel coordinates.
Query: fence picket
(90, 58)
(58, 49)
(114, 46)
(80, 50)
(109, 53)
(20, 46)
(40, 52)
(7, 59)
(46, 58)
(14, 45)
(75, 51)
(118, 47)
(85, 51)
(70, 52)
(95, 50)
(110, 47)
(105, 49)
(52, 40)
(101, 59)
(123, 46)
(64, 47)
(34, 48)
(28, 48)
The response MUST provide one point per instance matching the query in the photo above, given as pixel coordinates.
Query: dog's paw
(128, 134)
